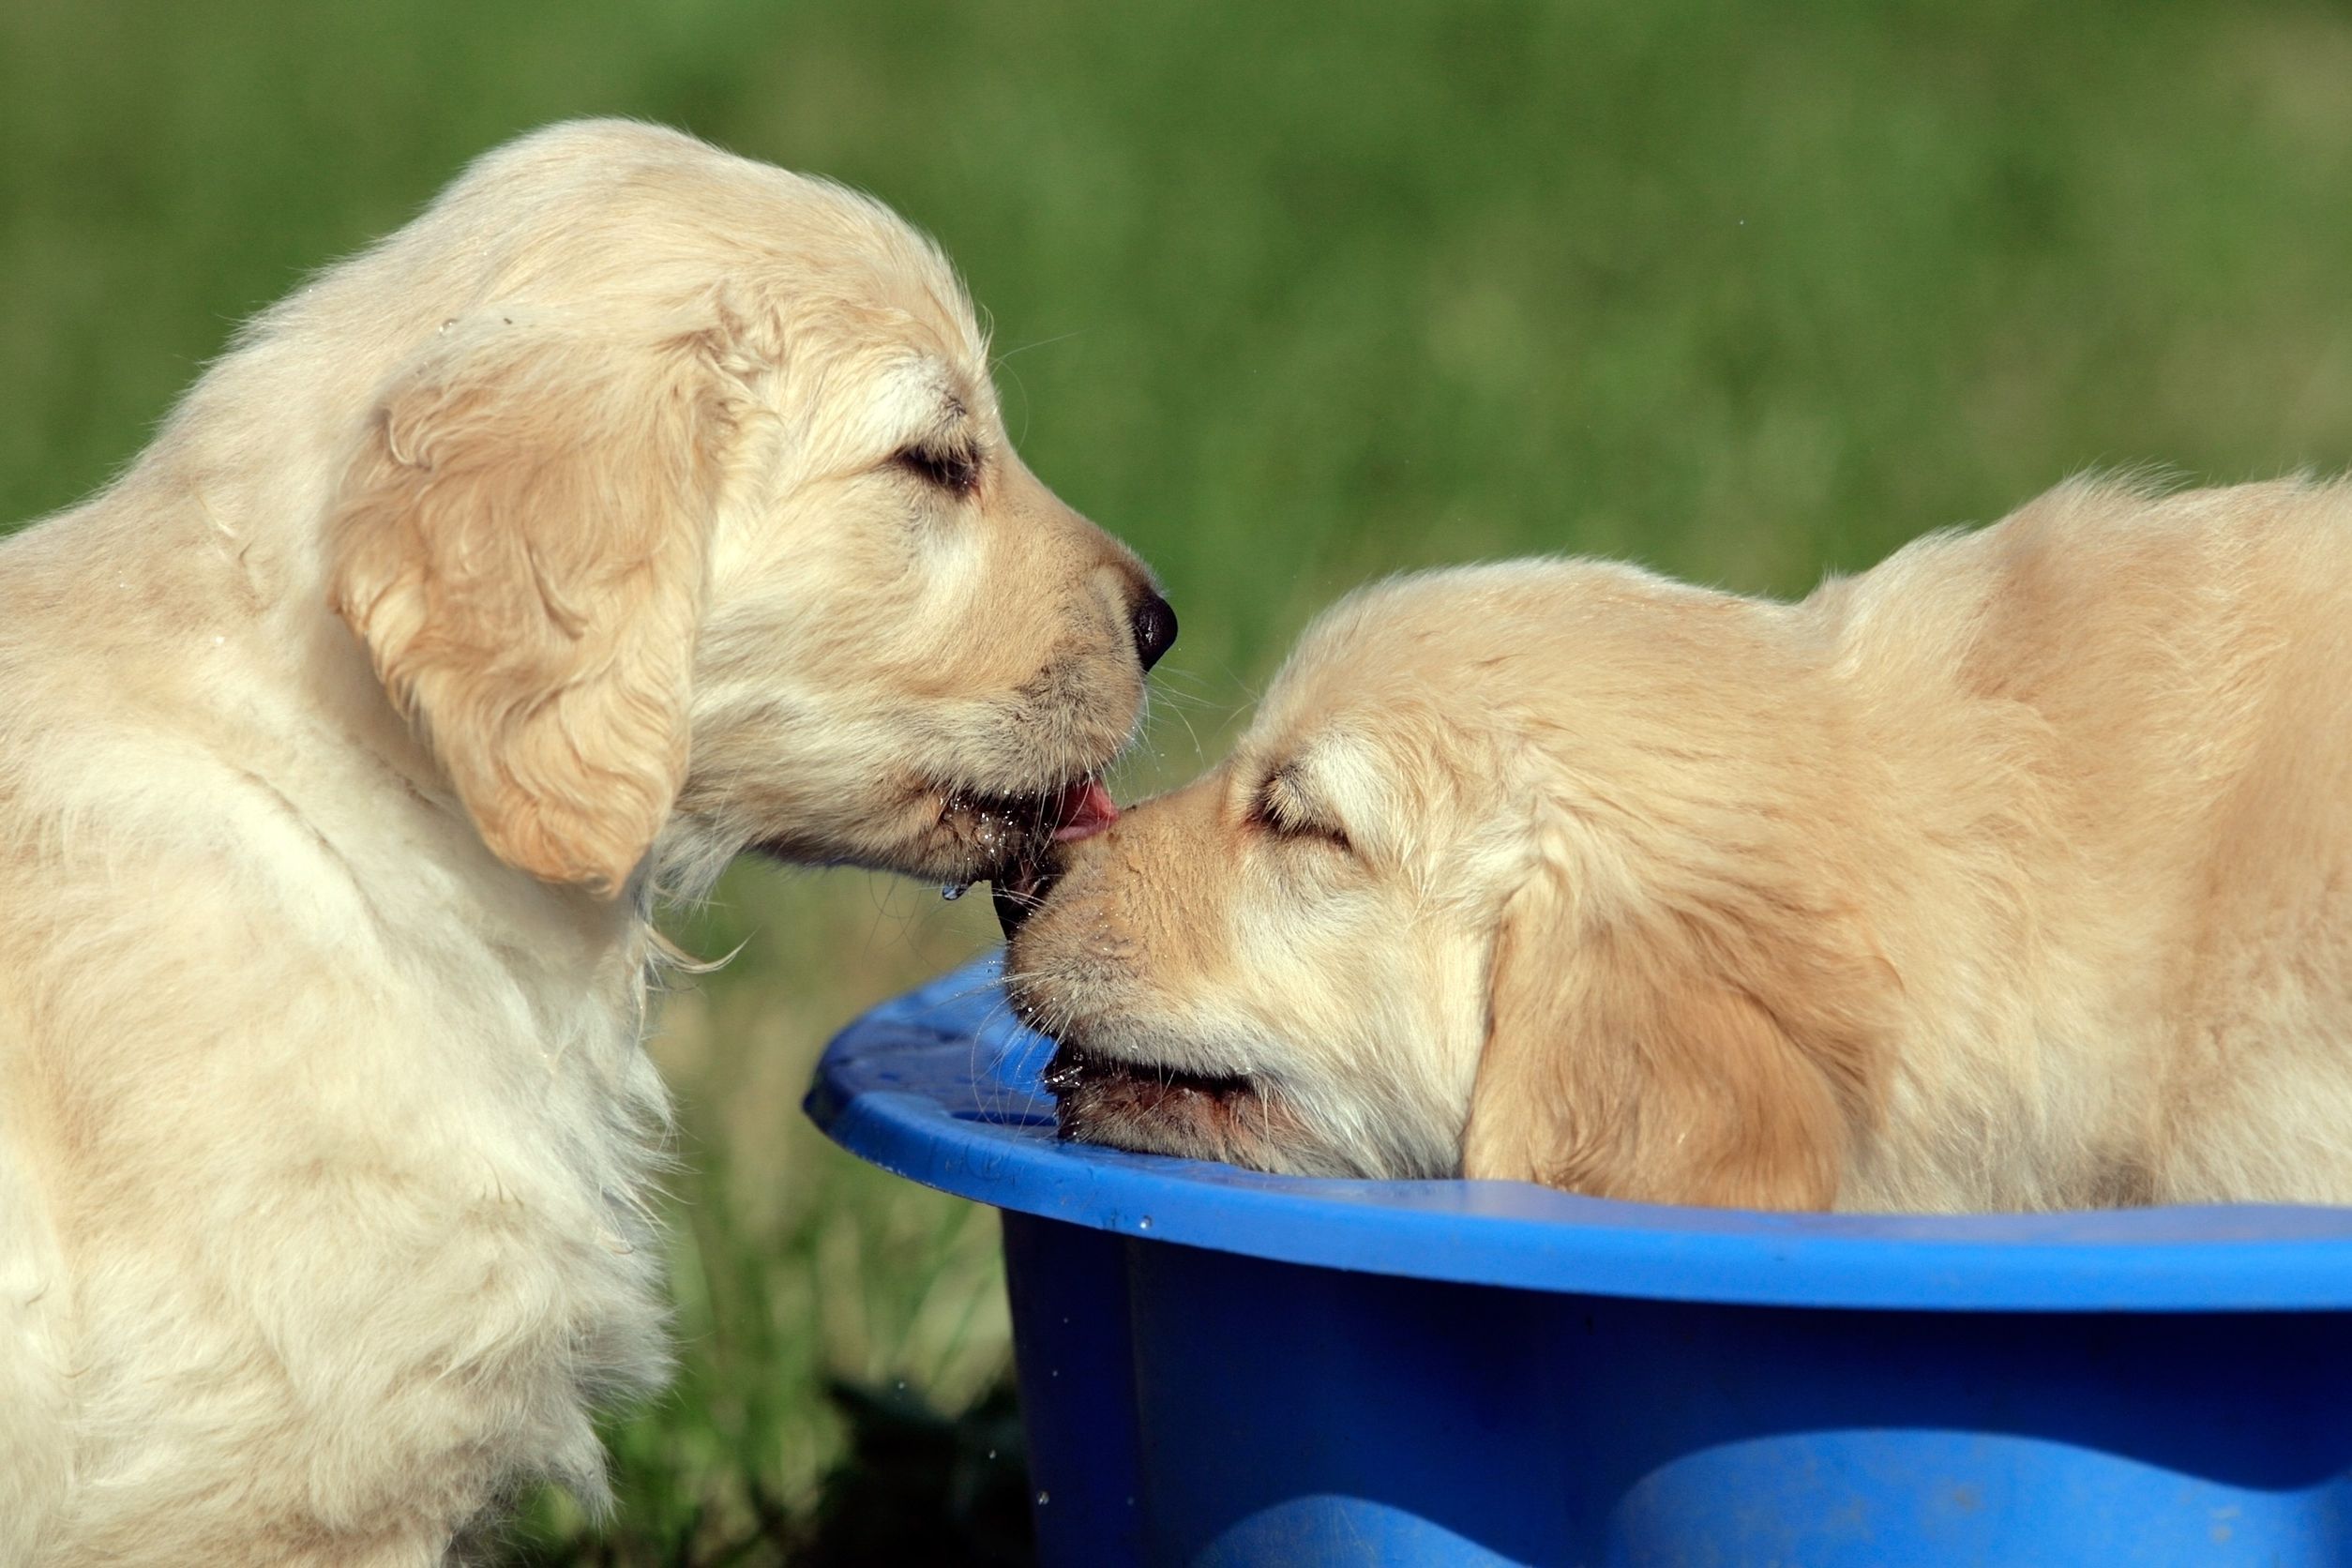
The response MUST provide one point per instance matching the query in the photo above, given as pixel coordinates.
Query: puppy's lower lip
(1073, 1065)
(1101, 1100)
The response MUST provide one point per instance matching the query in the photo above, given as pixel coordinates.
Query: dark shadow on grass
(913, 1486)
(918, 1488)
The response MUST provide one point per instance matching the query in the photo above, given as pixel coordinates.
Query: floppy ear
(1687, 1059)
(520, 542)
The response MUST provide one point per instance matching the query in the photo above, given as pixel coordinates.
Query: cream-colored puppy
(2013, 873)
(633, 505)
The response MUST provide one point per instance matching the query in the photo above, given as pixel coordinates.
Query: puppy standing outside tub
(634, 506)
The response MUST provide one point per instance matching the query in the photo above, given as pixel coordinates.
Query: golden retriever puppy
(633, 505)
(2014, 873)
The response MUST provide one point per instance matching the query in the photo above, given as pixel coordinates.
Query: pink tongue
(1087, 809)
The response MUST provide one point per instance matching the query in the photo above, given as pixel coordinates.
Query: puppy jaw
(1064, 974)
(1199, 1020)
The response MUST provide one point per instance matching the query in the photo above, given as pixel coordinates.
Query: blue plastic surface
(1223, 1368)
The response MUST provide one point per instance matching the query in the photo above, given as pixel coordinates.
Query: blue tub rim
(940, 1086)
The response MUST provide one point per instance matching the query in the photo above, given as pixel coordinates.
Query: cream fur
(2013, 873)
(550, 552)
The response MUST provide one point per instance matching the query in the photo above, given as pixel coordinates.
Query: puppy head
(692, 524)
(1528, 871)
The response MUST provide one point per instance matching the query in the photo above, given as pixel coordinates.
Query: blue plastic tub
(1222, 1368)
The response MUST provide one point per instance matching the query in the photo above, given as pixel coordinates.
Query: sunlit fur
(566, 525)
(2014, 873)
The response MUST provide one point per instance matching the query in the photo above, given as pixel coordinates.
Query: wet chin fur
(943, 833)
(1161, 1111)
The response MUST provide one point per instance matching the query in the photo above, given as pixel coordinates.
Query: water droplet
(1144, 1224)
(1044, 1498)
(952, 891)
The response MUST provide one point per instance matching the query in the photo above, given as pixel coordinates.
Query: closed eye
(953, 469)
(1278, 809)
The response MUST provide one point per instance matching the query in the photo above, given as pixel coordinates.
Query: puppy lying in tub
(2013, 873)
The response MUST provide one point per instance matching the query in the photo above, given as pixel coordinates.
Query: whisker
(1040, 343)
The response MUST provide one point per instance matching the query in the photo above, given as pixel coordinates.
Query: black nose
(1155, 629)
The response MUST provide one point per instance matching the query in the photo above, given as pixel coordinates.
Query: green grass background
(1288, 294)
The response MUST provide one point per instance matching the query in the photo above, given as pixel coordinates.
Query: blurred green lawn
(1288, 295)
